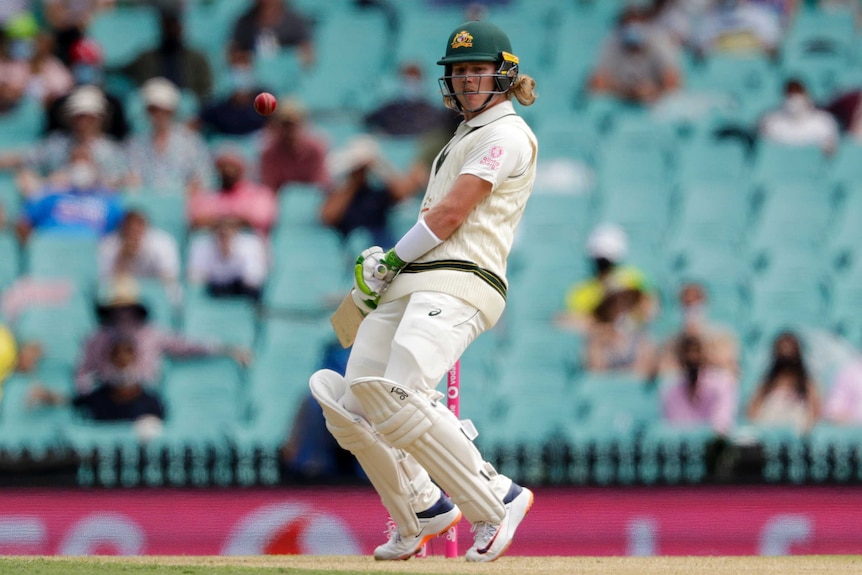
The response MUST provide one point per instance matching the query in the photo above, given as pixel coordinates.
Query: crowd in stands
(173, 125)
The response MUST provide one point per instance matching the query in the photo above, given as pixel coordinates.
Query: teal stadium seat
(165, 210)
(299, 205)
(61, 330)
(58, 255)
(226, 320)
(125, 31)
(776, 164)
(22, 125)
(29, 431)
(316, 278)
(10, 259)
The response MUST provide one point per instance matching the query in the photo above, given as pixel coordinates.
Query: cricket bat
(345, 321)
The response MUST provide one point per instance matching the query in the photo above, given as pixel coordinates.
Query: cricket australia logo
(402, 395)
(462, 39)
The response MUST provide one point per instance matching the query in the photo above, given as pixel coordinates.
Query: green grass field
(313, 565)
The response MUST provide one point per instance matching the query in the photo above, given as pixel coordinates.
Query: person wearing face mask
(701, 394)
(607, 246)
(787, 395)
(85, 112)
(739, 27)
(291, 152)
(234, 113)
(121, 313)
(798, 122)
(720, 342)
(228, 261)
(172, 59)
(119, 395)
(79, 203)
(409, 112)
(14, 72)
(87, 68)
(269, 26)
(638, 62)
(253, 204)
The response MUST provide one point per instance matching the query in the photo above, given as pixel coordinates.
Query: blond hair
(524, 90)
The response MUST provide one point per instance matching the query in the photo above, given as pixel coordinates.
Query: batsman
(425, 300)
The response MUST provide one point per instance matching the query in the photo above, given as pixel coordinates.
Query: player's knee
(399, 414)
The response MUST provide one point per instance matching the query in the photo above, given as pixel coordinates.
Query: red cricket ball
(264, 103)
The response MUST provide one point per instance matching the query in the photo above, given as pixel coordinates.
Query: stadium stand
(771, 231)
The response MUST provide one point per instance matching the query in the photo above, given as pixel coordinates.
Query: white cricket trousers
(413, 341)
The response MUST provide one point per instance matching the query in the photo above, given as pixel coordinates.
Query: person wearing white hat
(85, 112)
(613, 307)
(606, 248)
(169, 158)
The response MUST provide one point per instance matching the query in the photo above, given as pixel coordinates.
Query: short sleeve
(500, 152)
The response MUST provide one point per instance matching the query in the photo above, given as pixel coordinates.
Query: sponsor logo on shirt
(492, 159)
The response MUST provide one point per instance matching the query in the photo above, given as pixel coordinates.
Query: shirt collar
(493, 113)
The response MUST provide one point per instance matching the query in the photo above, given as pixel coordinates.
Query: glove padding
(366, 304)
(373, 273)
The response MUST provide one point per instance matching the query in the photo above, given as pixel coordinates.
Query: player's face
(472, 82)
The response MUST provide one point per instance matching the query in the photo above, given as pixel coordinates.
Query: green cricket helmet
(478, 42)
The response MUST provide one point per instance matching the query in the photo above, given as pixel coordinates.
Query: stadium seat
(317, 278)
(10, 259)
(124, 32)
(58, 255)
(779, 164)
(21, 126)
(672, 454)
(299, 205)
(165, 209)
(230, 321)
(61, 330)
(29, 431)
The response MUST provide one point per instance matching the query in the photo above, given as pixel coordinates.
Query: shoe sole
(426, 539)
(511, 539)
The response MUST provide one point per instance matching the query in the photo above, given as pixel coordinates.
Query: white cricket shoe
(490, 540)
(433, 522)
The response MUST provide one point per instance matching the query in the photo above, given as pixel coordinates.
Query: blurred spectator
(10, 9)
(677, 18)
(720, 343)
(606, 248)
(8, 355)
(701, 394)
(638, 62)
(270, 25)
(140, 251)
(228, 261)
(68, 21)
(798, 122)
(49, 77)
(787, 395)
(85, 112)
(616, 341)
(234, 114)
(117, 395)
(14, 73)
(173, 59)
(408, 112)
(738, 26)
(367, 188)
(88, 70)
(844, 403)
(121, 313)
(291, 152)
(847, 111)
(81, 205)
(170, 157)
(253, 204)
